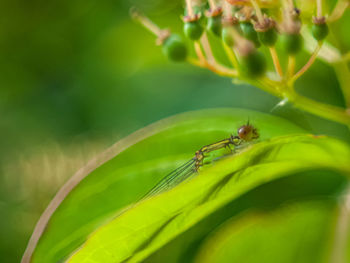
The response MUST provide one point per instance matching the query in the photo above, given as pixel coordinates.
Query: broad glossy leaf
(129, 169)
(317, 185)
(295, 233)
(144, 228)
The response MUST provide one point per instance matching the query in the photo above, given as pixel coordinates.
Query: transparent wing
(174, 178)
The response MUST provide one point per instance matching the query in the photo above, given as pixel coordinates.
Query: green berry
(193, 30)
(269, 37)
(254, 64)
(174, 48)
(250, 33)
(214, 25)
(227, 37)
(319, 31)
(291, 43)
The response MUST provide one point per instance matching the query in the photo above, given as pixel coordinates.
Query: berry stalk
(276, 61)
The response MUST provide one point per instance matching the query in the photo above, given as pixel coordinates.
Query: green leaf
(127, 170)
(295, 233)
(316, 185)
(138, 232)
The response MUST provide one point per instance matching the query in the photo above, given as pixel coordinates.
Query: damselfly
(245, 133)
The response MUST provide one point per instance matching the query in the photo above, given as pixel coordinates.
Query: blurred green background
(76, 76)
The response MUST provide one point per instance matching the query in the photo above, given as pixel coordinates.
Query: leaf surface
(149, 225)
(294, 233)
(126, 171)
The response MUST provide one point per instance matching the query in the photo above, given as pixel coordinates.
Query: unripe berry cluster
(243, 27)
(253, 32)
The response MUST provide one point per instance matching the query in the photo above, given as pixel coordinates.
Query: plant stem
(319, 8)
(207, 49)
(288, 5)
(146, 22)
(263, 85)
(232, 57)
(326, 111)
(221, 71)
(278, 89)
(276, 61)
(338, 10)
(328, 53)
(189, 8)
(343, 74)
(199, 52)
(212, 4)
(308, 64)
(282, 89)
(213, 66)
(257, 11)
(291, 67)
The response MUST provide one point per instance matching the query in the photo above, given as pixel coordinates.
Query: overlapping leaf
(126, 171)
(146, 227)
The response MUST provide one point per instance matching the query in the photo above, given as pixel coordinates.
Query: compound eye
(244, 132)
(241, 132)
